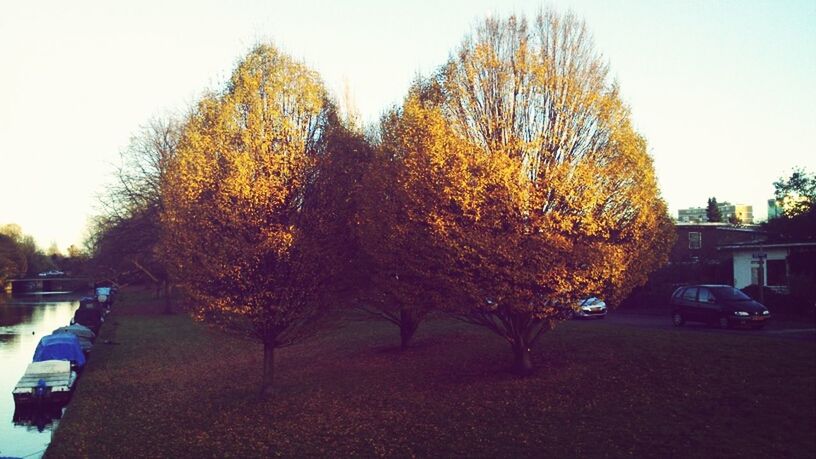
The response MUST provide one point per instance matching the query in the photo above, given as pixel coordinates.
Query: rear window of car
(690, 294)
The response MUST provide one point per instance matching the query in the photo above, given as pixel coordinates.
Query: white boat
(49, 381)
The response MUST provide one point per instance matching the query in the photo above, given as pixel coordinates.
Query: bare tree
(126, 235)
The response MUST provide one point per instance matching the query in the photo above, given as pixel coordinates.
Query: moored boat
(84, 334)
(45, 382)
(89, 314)
(62, 346)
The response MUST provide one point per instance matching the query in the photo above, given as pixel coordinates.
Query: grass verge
(169, 387)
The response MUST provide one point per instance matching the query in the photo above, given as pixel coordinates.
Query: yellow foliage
(236, 231)
(521, 160)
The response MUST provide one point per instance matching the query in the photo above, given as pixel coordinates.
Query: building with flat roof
(743, 212)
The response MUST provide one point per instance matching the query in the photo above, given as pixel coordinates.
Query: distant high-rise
(743, 212)
(774, 210)
(692, 215)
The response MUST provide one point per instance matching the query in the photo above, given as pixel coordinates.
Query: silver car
(591, 308)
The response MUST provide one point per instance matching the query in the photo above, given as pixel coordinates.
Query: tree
(713, 214)
(75, 262)
(13, 262)
(734, 220)
(125, 239)
(395, 250)
(53, 251)
(520, 160)
(35, 260)
(242, 227)
(796, 196)
(75, 252)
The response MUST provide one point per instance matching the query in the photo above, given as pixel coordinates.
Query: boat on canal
(84, 334)
(46, 382)
(62, 346)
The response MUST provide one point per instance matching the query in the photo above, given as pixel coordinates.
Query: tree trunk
(268, 368)
(522, 364)
(168, 302)
(408, 326)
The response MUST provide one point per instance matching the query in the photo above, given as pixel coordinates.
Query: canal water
(23, 321)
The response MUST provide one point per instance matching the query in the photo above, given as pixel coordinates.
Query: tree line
(21, 257)
(508, 184)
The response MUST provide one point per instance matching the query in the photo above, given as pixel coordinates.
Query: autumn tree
(242, 227)
(713, 214)
(12, 259)
(396, 252)
(521, 161)
(36, 261)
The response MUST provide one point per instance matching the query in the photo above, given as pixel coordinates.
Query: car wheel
(724, 323)
(678, 320)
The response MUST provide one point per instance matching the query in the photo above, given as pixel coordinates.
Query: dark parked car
(721, 305)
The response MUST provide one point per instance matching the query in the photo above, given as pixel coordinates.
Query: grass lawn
(173, 388)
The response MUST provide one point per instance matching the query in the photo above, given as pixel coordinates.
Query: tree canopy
(13, 261)
(713, 214)
(520, 159)
(241, 225)
(796, 196)
(34, 259)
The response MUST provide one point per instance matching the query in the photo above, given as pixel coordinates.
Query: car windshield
(729, 294)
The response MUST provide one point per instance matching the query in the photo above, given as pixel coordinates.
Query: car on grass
(590, 308)
(720, 305)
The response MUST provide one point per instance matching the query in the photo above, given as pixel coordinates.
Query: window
(777, 272)
(705, 296)
(695, 239)
(729, 294)
(690, 294)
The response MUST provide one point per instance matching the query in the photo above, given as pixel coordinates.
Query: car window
(730, 294)
(690, 294)
(705, 296)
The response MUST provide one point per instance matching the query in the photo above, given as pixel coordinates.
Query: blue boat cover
(62, 346)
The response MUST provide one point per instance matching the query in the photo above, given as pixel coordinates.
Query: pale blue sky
(722, 90)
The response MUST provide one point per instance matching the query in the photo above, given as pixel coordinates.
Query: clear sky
(722, 90)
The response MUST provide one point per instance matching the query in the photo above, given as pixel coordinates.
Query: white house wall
(742, 264)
